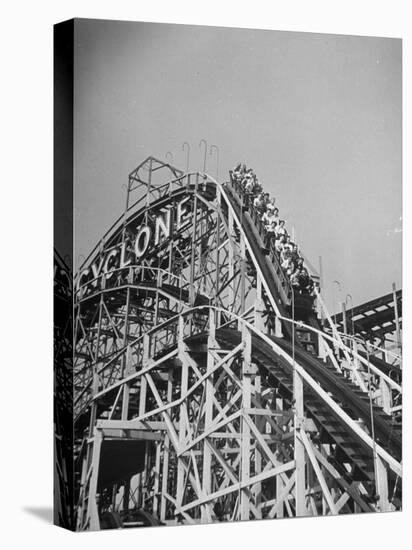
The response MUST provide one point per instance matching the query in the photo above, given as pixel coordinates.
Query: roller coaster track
(195, 357)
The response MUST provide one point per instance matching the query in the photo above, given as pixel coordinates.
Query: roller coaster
(206, 388)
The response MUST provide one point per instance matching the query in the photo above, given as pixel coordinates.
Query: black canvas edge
(63, 78)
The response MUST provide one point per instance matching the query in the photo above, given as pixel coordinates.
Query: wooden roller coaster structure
(205, 388)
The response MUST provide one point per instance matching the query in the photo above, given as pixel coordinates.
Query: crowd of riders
(276, 234)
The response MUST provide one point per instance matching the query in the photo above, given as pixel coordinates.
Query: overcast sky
(317, 116)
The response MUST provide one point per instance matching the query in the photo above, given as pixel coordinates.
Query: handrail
(341, 345)
(361, 341)
(259, 225)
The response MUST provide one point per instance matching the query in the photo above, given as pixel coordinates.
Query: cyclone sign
(134, 250)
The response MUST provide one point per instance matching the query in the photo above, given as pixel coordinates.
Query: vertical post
(242, 273)
(125, 401)
(386, 396)
(324, 453)
(278, 328)
(193, 251)
(83, 489)
(382, 485)
(126, 333)
(165, 470)
(208, 405)
(279, 490)
(259, 305)
(260, 423)
(144, 476)
(245, 434)
(319, 308)
(156, 479)
(217, 256)
(95, 373)
(300, 484)
(398, 331)
(142, 408)
(143, 380)
(149, 185)
(320, 272)
(92, 508)
(231, 266)
(129, 185)
(180, 489)
(321, 347)
(345, 329)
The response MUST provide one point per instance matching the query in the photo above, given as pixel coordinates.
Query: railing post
(92, 506)
(166, 452)
(259, 305)
(245, 429)
(397, 324)
(208, 405)
(386, 396)
(321, 348)
(298, 424)
(184, 379)
(278, 327)
(382, 485)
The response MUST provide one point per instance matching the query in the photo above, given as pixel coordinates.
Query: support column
(180, 489)
(242, 274)
(259, 305)
(300, 463)
(278, 328)
(321, 348)
(382, 485)
(92, 505)
(279, 494)
(245, 429)
(260, 422)
(217, 251)
(208, 405)
(231, 293)
(156, 484)
(397, 324)
(165, 470)
(193, 253)
(386, 396)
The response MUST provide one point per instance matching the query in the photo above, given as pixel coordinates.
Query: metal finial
(217, 158)
(205, 152)
(187, 154)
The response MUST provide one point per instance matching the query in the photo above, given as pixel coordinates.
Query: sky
(318, 117)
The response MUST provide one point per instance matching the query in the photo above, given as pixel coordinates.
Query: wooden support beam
(166, 451)
(92, 509)
(318, 472)
(299, 448)
(242, 485)
(208, 408)
(245, 447)
(382, 485)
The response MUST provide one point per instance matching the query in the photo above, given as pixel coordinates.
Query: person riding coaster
(289, 255)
